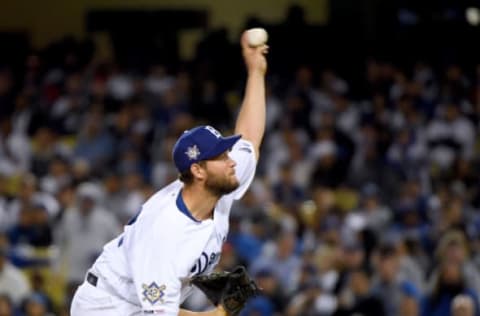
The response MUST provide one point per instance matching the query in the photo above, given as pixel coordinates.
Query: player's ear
(198, 171)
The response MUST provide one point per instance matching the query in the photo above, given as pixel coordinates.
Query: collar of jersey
(184, 209)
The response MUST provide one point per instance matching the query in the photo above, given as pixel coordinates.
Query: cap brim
(226, 143)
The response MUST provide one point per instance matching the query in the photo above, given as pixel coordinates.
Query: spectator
(83, 231)
(387, 283)
(282, 259)
(287, 145)
(13, 282)
(450, 135)
(375, 215)
(46, 147)
(29, 194)
(305, 302)
(453, 248)
(94, 143)
(33, 228)
(68, 109)
(361, 301)
(57, 175)
(352, 258)
(285, 191)
(271, 300)
(247, 243)
(15, 151)
(449, 283)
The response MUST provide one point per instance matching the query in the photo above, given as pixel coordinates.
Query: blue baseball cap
(200, 143)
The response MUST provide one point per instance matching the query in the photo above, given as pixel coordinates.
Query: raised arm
(251, 118)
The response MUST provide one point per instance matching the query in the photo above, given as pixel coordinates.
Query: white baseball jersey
(150, 263)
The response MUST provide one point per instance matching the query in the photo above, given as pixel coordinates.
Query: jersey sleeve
(243, 154)
(152, 262)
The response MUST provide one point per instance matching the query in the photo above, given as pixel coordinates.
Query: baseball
(257, 36)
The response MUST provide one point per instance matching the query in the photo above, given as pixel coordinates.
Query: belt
(92, 279)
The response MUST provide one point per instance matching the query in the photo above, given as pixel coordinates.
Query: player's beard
(219, 186)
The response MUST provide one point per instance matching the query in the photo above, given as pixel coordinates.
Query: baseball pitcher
(176, 238)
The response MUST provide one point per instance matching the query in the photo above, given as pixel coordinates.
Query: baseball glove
(229, 289)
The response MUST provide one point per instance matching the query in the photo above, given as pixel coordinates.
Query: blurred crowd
(363, 204)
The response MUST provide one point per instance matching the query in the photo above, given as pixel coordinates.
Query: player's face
(221, 178)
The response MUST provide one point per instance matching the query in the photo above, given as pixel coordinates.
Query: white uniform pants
(91, 300)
